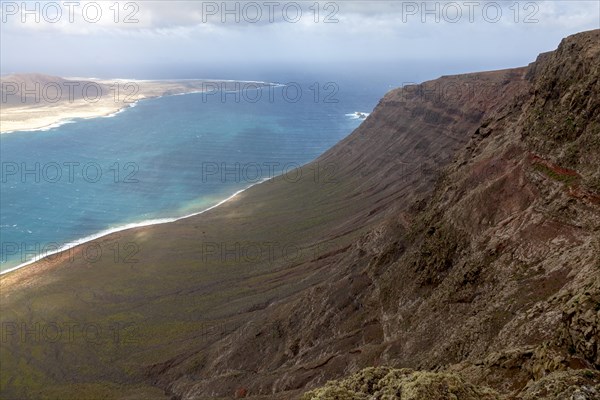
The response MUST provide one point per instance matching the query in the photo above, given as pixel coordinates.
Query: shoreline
(143, 223)
(64, 120)
(125, 227)
(47, 116)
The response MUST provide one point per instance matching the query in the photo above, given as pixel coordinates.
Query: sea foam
(149, 222)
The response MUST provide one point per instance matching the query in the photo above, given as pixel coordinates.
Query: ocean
(162, 159)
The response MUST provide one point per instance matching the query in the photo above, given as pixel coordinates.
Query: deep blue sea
(166, 157)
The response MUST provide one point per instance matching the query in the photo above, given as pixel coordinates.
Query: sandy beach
(27, 118)
(78, 242)
(107, 98)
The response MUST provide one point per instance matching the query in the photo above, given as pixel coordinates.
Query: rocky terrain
(449, 248)
(498, 278)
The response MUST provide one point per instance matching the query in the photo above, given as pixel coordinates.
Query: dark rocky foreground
(450, 246)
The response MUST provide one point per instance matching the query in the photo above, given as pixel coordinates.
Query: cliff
(499, 278)
(449, 243)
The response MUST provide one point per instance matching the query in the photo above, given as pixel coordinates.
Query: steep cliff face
(391, 162)
(562, 118)
(450, 243)
(499, 277)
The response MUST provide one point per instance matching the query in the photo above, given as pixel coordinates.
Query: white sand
(43, 116)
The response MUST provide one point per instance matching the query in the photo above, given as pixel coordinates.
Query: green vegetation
(404, 384)
(557, 176)
(439, 246)
(178, 299)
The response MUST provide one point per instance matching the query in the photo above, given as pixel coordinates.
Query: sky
(388, 40)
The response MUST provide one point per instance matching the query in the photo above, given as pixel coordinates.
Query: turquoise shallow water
(165, 157)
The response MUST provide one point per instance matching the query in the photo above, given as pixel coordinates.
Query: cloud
(164, 17)
(91, 35)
